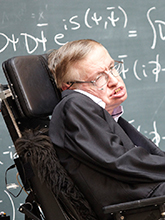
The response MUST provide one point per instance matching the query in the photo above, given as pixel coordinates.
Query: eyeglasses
(102, 79)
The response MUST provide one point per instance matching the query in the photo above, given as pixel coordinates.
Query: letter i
(144, 71)
(65, 26)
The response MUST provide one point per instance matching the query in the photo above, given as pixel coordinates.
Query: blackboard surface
(132, 31)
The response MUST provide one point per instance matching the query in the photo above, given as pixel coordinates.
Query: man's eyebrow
(99, 72)
(111, 64)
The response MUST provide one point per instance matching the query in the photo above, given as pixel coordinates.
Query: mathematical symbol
(132, 33)
(6, 152)
(122, 56)
(33, 15)
(41, 25)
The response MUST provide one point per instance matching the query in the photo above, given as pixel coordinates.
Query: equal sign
(132, 34)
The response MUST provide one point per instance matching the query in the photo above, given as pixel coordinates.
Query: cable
(21, 184)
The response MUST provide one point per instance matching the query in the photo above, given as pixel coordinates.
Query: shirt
(117, 112)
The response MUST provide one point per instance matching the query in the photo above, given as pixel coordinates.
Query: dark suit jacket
(100, 154)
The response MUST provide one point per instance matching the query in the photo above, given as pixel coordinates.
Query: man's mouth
(117, 90)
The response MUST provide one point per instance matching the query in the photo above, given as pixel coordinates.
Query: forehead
(97, 60)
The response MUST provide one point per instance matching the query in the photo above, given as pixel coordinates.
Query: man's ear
(65, 86)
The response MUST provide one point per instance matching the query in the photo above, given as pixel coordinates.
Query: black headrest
(32, 85)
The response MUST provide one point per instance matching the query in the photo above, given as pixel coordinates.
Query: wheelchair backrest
(32, 93)
(32, 85)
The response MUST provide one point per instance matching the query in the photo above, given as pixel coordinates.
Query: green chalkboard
(132, 31)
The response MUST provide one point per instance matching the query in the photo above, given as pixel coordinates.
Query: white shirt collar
(117, 112)
(94, 98)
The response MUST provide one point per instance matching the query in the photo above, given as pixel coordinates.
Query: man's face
(99, 61)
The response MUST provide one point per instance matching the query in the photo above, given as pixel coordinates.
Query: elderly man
(108, 159)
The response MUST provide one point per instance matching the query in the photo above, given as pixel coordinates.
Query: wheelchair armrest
(134, 204)
(155, 203)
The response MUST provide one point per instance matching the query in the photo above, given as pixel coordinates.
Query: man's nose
(112, 80)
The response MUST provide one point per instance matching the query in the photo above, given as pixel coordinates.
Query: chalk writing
(91, 19)
(156, 138)
(98, 18)
(122, 57)
(74, 24)
(132, 33)
(12, 203)
(160, 23)
(27, 38)
(153, 135)
(8, 40)
(156, 71)
(8, 152)
(12, 186)
(112, 16)
(43, 40)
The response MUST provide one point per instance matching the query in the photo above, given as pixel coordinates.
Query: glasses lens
(101, 80)
(118, 68)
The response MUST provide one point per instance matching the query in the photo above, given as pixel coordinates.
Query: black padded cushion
(32, 86)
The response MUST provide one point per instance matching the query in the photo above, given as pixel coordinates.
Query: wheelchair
(27, 102)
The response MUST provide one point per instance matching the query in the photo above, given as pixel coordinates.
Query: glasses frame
(106, 73)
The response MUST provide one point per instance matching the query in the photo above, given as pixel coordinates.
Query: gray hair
(61, 61)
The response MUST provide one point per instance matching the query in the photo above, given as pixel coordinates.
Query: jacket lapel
(119, 131)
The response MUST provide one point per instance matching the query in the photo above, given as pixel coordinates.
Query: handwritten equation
(155, 65)
(97, 19)
(160, 24)
(115, 17)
